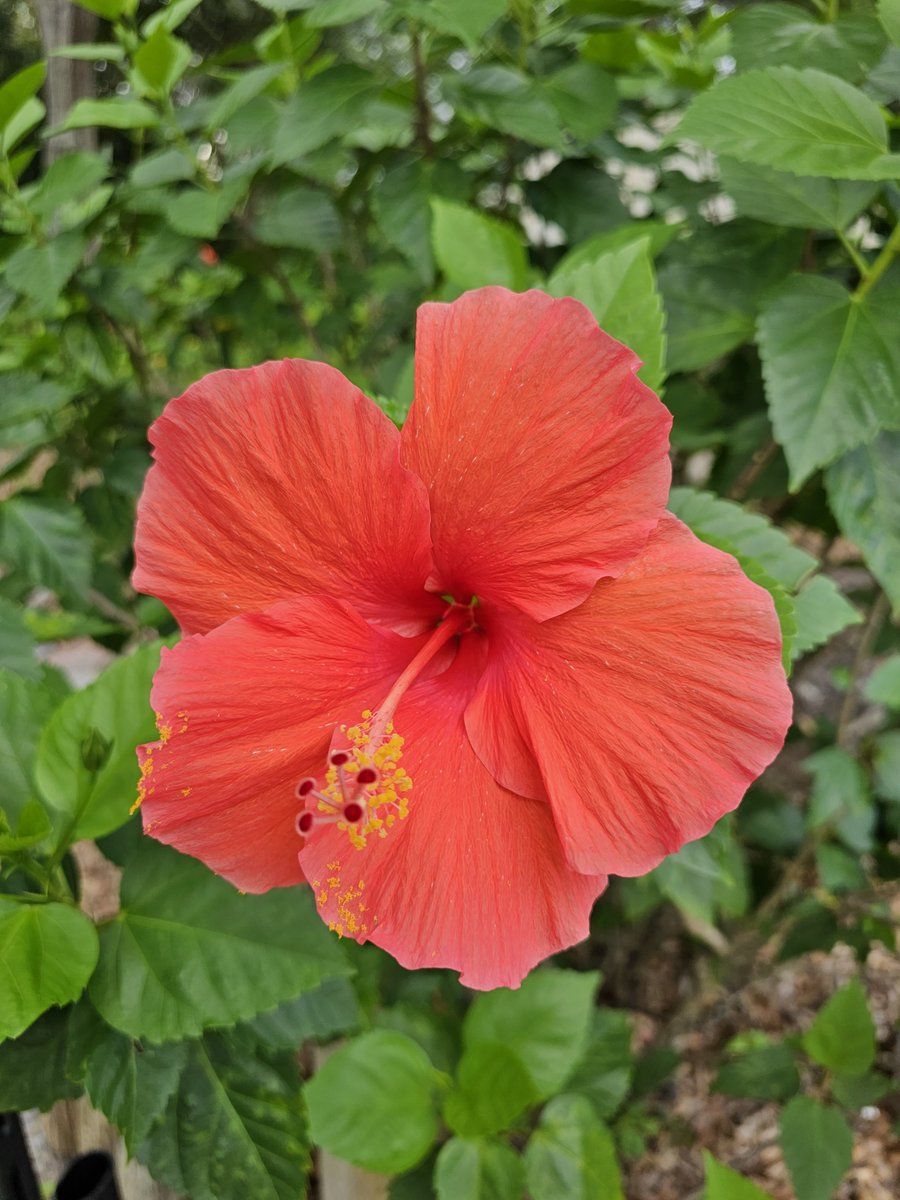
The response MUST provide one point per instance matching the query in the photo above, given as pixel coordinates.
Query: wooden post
(62, 24)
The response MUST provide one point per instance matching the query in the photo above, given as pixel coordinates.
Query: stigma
(365, 791)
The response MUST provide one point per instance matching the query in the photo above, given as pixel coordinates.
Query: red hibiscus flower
(467, 670)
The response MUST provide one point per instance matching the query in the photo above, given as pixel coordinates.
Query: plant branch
(871, 629)
(889, 251)
(423, 108)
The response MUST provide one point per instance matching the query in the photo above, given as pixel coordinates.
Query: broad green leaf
(196, 213)
(29, 404)
(886, 760)
(41, 272)
(91, 52)
(764, 1073)
(235, 1127)
(840, 870)
(47, 954)
(109, 10)
(493, 1088)
(508, 101)
(842, 1037)
(858, 1091)
(840, 797)
(606, 1068)
(817, 1145)
(249, 83)
(473, 249)
(111, 114)
(169, 17)
(771, 822)
(320, 111)
(21, 123)
(16, 645)
(131, 1082)
(160, 61)
(585, 97)
(805, 122)
(619, 288)
(864, 495)
(322, 1013)
(657, 233)
(832, 369)
(800, 202)
(372, 1102)
(889, 15)
(712, 284)
(47, 542)
(166, 166)
(299, 217)
(468, 20)
(32, 827)
(17, 90)
(724, 1184)
(33, 1065)
(326, 14)
(571, 1153)
(821, 612)
(706, 877)
(546, 1022)
(753, 536)
(25, 707)
(67, 181)
(117, 707)
(189, 951)
(769, 35)
(478, 1170)
(883, 685)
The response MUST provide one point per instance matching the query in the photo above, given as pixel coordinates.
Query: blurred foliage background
(211, 183)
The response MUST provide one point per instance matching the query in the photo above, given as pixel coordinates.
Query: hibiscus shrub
(258, 180)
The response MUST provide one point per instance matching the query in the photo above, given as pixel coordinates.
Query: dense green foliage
(721, 189)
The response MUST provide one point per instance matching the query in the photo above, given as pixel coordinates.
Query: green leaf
(478, 1170)
(769, 35)
(47, 954)
(16, 643)
(705, 877)
(842, 1037)
(65, 186)
(117, 707)
(234, 1128)
(546, 1022)
(20, 124)
(48, 543)
(299, 217)
(468, 20)
(110, 114)
(819, 345)
(766, 1073)
(248, 85)
(585, 98)
(372, 1102)
(882, 686)
(724, 1184)
(821, 611)
(41, 272)
(197, 213)
(864, 494)
(817, 1145)
(18, 89)
(109, 10)
(25, 707)
(321, 111)
(840, 797)
(493, 1088)
(188, 951)
(508, 101)
(606, 1068)
(473, 249)
(33, 1065)
(322, 1013)
(33, 827)
(886, 760)
(889, 16)
(839, 869)
(170, 17)
(571, 1153)
(327, 14)
(619, 288)
(859, 1091)
(166, 166)
(131, 1082)
(160, 61)
(797, 201)
(752, 536)
(805, 122)
(90, 52)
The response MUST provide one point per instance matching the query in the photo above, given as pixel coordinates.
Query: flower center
(365, 791)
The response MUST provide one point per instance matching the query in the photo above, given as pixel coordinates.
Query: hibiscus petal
(649, 709)
(474, 878)
(275, 481)
(245, 713)
(544, 456)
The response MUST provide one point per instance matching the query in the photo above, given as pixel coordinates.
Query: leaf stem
(889, 251)
(858, 261)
